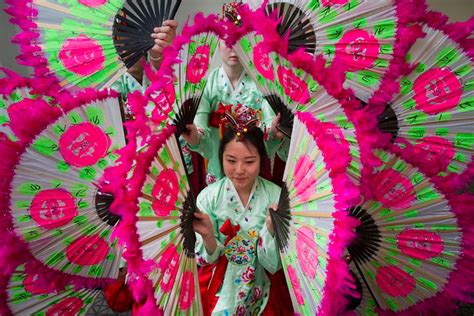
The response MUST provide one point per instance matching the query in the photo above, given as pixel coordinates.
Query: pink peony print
(437, 90)
(198, 65)
(165, 192)
(92, 3)
(69, 306)
(420, 243)
(439, 151)
(394, 281)
(87, 250)
(262, 62)
(304, 178)
(53, 208)
(358, 49)
(307, 251)
(293, 86)
(393, 189)
(83, 145)
(82, 55)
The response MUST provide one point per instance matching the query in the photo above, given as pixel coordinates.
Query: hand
(269, 223)
(163, 37)
(203, 226)
(192, 137)
(276, 133)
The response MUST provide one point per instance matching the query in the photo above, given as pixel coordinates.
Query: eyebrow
(248, 157)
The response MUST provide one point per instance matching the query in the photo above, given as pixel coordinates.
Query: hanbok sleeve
(204, 146)
(205, 204)
(272, 145)
(267, 251)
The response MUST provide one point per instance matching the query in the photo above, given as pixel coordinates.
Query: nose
(240, 168)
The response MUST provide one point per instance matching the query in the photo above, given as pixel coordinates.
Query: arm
(200, 139)
(267, 250)
(276, 142)
(208, 247)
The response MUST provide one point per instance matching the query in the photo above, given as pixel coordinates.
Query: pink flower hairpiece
(241, 119)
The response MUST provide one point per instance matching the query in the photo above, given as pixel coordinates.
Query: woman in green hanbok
(234, 227)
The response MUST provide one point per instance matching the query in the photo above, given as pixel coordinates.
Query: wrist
(152, 58)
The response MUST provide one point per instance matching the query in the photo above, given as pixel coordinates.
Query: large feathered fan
(157, 206)
(289, 89)
(178, 86)
(410, 244)
(361, 33)
(56, 207)
(87, 43)
(165, 231)
(285, 90)
(432, 116)
(27, 295)
(310, 230)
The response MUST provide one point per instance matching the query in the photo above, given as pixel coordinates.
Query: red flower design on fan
(293, 86)
(169, 275)
(83, 145)
(305, 182)
(87, 250)
(262, 62)
(296, 285)
(358, 49)
(82, 55)
(394, 281)
(186, 295)
(165, 192)
(92, 3)
(53, 208)
(436, 150)
(166, 257)
(163, 103)
(437, 90)
(69, 306)
(198, 65)
(31, 285)
(328, 3)
(420, 244)
(393, 189)
(306, 250)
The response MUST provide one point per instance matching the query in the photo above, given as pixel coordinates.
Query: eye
(250, 162)
(230, 161)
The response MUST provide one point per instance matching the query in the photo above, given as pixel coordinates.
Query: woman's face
(241, 162)
(229, 57)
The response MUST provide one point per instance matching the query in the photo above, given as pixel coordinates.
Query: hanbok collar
(229, 84)
(233, 191)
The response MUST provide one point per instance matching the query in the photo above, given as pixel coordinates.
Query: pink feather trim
(339, 282)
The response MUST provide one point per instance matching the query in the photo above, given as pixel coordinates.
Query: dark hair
(253, 136)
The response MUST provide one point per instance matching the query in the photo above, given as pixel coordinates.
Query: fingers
(200, 215)
(171, 23)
